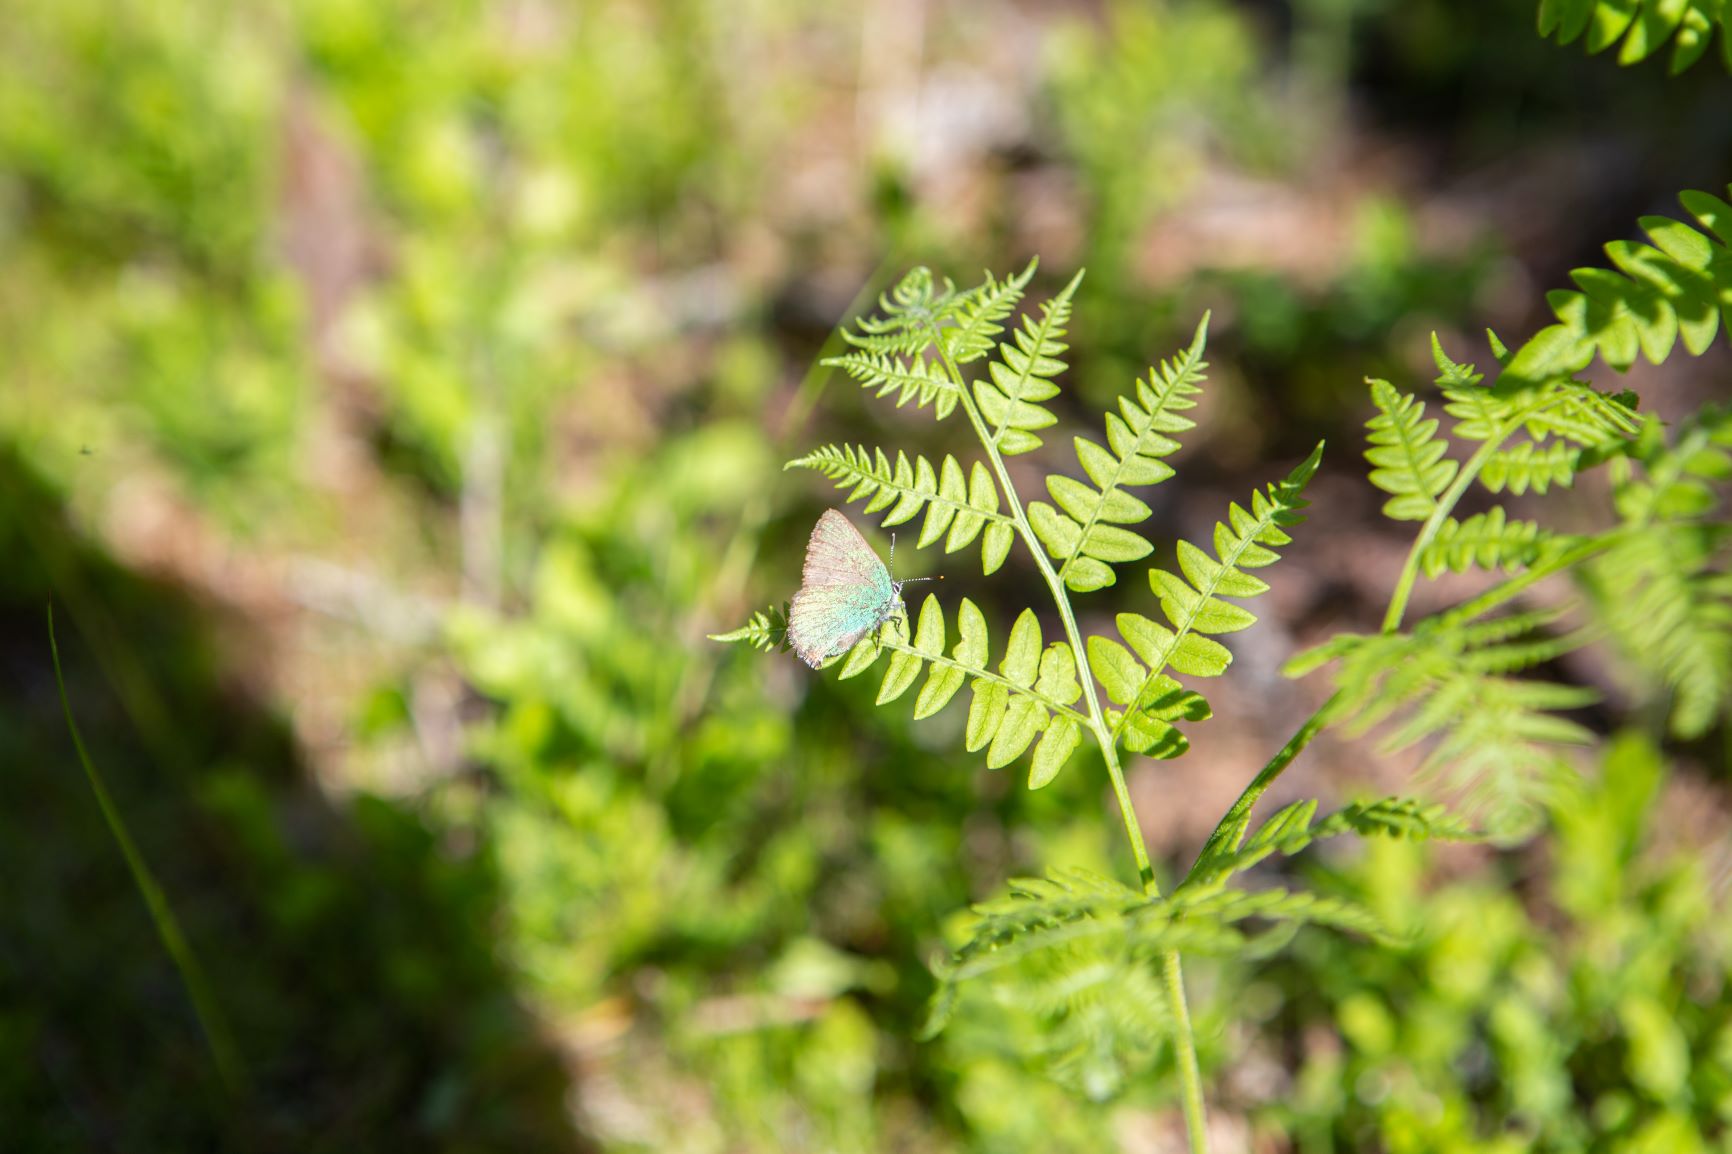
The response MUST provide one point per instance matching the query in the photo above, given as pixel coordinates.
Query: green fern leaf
(1408, 457)
(973, 320)
(1021, 376)
(1678, 288)
(1665, 591)
(764, 630)
(1194, 608)
(1032, 694)
(906, 316)
(909, 376)
(1643, 26)
(1449, 683)
(1290, 830)
(1082, 532)
(957, 510)
(1488, 540)
(1075, 909)
(1527, 465)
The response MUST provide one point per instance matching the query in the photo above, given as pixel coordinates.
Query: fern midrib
(1085, 672)
(1229, 564)
(1123, 462)
(1014, 687)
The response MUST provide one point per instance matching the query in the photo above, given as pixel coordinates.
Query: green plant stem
(1097, 720)
(1231, 828)
(1446, 503)
(1428, 532)
(204, 1006)
(1185, 1053)
(1184, 1042)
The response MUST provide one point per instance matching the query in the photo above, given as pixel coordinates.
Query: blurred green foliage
(501, 307)
(1597, 1021)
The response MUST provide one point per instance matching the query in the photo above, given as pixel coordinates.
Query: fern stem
(1184, 1043)
(1446, 503)
(1231, 827)
(1185, 1053)
(1096, 720)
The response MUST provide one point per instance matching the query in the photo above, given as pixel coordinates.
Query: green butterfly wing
(845, 590)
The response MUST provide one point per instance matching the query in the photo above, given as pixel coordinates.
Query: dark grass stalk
(210, 1019)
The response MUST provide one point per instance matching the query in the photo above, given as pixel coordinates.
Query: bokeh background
(393, 394)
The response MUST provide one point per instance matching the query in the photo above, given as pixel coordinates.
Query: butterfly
(845, 591)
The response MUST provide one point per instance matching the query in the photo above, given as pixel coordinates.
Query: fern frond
(906, 314)
(1021, 376)
(1665, 592)
(956, 509)
(908, 375)
(1527, 465)
(973, 320)
(1644, 27)
(1032, 693)
(765, 630)
(1070, 910)
(1565, 408)
(1409, 459)
(1678, 288)
(1667, 601)
(1083, 532)
(1488, 540)
(1290, 830)
(1493, 735)
(1194, 608)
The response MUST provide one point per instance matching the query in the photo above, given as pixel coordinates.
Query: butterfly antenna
(905, 580)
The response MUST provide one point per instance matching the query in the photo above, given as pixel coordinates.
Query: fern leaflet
(973, 318)
(1194, 609)
(1031, 695)
(1290, 830)
(1408, 456)
(1082, 534)
(1678, 288)
(1021, 376)
(1449, 682)
(1488, 540)
(956, 509)
(909, 376)
(1644, 27)
(765, 630)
